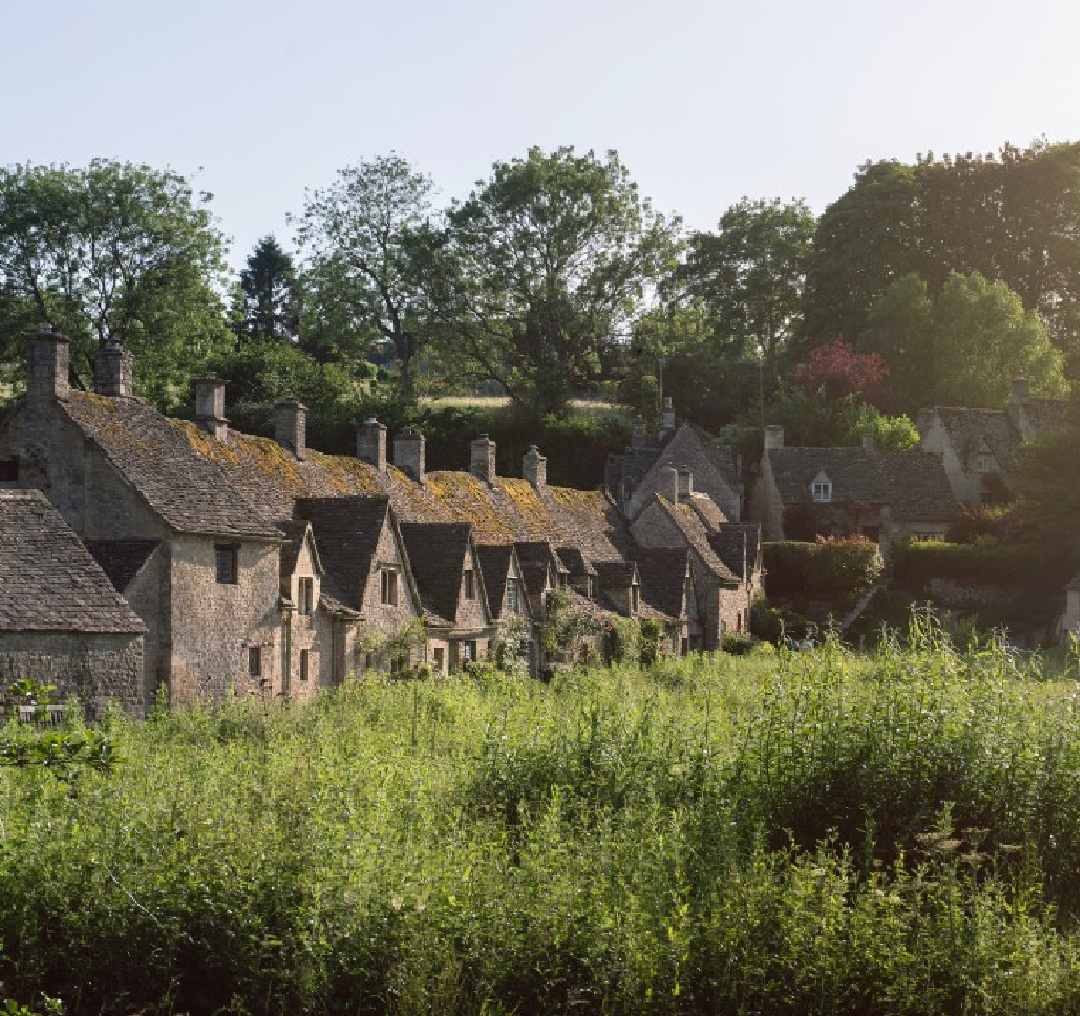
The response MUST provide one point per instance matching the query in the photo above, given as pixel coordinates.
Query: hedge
(1013, 565)
(829, 569)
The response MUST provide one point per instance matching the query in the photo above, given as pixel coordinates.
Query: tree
(268, 302)
(900, 329)
(112, 253)
(983, 338)
(837, 372)
(545, 266)
(363, 238)
(749, 276)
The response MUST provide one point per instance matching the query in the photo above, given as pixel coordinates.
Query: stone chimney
(46, 366)
(1018, 402)
(290, 426)
(686, 483)
(667, 418)
(669, 483)
(535, 467)
(371, 443)
(867, 442)
(410, 451)
(637, 434)
(210, 406)
(482, 459)
(112, 371)
(774, 437)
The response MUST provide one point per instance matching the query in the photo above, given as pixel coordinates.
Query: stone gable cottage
(980, 449)
(841, 491)
(633, 477)
(61, 621)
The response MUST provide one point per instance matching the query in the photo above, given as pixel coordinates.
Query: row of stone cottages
(139, 552)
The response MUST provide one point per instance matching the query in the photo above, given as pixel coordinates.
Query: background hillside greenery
(805, 833)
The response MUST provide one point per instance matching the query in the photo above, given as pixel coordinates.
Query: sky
(705, 102)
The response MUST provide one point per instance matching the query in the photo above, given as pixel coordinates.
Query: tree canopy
(545, 266)
(112, 252)
(267, 306)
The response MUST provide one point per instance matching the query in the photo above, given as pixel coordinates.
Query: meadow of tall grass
(789, 833)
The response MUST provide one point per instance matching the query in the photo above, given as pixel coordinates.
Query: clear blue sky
(704, 101)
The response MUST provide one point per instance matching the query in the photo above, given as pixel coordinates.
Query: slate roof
(346, 531)
(495, 562)
(970, 430)
(736, 543)
(697, 535)
(184, 487)
(535, 559)
(914, 484)
(122, 560)
(663, 579)
(49, 581)
(616, 574)
(575, 562)
(437, 553)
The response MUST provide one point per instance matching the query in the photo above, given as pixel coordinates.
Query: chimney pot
(686, 483)
(774, 436)
(667, 418)
(112, 371)
(410, 453)
(371, 443)
(290, 426)
(482, 459)
(210, 406)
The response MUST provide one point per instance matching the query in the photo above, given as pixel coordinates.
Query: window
(307, 595)
(388, 587)
(470, 590)
(513, 596)
(984, 462)
(225, 563)
(821, 490)
(305, 663)
(439, 660)
(9, 470)
(255, 662)
(468, 652)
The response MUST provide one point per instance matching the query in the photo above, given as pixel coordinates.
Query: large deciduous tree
(267, 307)
(545, 266)
(361, 239)
(112, 252)
(749, 276)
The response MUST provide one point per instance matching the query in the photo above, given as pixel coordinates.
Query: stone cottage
(980, 449)
(61, 621)
(879, 494)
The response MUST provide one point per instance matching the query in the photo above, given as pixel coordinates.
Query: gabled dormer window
(513, 596)
(984, 462)
(821, 488)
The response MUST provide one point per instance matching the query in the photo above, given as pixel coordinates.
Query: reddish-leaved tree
(837, 371)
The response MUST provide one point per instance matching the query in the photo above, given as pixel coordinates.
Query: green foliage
(810, 832)
(367, 244)
(829, 569)
(112, 252)
(265, 371)
(544, 270)
(737, 643)
(899, 326)
(267, 303)
(569, 628)
(983, 562)
(890, 433)
(621, 641)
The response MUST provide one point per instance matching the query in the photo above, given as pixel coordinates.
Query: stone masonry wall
(96, 667)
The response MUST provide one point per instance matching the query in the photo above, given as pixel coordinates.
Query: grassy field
(808, 833)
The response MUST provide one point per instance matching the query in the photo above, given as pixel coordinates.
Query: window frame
(255, 661)
(821, 491)
(513, 595)
(227, 552)
(305, 665)
(388, 587)
(306, 595)
(468, 584)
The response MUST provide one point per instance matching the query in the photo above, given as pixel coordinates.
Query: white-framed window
(984, 462)
(821, 490)
(513, 596)
(388, 587)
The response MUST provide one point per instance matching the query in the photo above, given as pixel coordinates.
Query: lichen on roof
(208, 447)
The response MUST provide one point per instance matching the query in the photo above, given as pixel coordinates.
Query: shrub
(828, 569)
(1015, 565)
(736, 643)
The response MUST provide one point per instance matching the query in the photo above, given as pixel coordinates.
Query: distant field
(498, 401)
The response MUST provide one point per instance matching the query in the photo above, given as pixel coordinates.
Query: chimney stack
(669, 483)
(210, 406)
(112, 371)
(371, 443)
(482, 459)
(637, 434)
(46, 366)
(409, 454)
(535, 469)
(774, 437)
(686, 484)
(667, 419)
(868, 442)
(290, 426)
(1017, 405)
